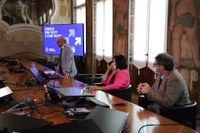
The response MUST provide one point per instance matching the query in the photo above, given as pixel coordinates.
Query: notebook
(53, 76)
(108, 120)
(18, 123)
(50, 74)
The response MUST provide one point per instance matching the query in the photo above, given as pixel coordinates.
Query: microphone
(53, 85)
(30, 103)
(47, 97)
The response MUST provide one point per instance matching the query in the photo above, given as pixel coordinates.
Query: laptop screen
(5, 91)
(36, 74)
(72, 92)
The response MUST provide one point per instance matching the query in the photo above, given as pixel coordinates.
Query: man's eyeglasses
(155, 64)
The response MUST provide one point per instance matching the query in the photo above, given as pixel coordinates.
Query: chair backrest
(185, 114)
(89, 78)
(81, 77)
(124, 93)
(98, 75)
(93, 80)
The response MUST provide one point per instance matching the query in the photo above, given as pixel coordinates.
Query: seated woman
(116, 76)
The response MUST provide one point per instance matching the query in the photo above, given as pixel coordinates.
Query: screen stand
(77, 112)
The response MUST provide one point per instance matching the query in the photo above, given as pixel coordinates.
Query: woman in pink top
(116, 76)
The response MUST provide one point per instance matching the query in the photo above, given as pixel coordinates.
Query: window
(80, 2)
(80, 16)
(150, 24)
(44, 18)
(41, 20)
(104, 30)
(50, 12)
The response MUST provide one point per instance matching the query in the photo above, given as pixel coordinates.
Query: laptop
(41, 76)
(108, 120)
(37, 74)
(16, 123)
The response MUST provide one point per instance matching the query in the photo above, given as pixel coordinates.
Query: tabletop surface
(139, 119)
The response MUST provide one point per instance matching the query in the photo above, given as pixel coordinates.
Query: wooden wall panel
(120, 27)
(89, 37)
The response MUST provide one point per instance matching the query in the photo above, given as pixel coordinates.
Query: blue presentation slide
(74, 34)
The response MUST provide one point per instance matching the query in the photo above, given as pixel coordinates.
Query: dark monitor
(1, 82)
(16, 123)
(83, 126)
(108, 120)
(73, 33)
(72, 92)
(37, 74)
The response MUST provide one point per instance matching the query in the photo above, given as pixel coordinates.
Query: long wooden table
(137, 117)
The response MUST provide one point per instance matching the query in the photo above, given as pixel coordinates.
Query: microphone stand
(76, 103)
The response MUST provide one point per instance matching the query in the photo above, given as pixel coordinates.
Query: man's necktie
(159, 83)
(60, 66)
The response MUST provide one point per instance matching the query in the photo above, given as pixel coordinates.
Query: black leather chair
(81, 77)
(89, 78)
(185, 114)
(93, 80)
(124, 93)
(98, 75)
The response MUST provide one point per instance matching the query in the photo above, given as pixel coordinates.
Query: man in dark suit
(169, 88)
(67, 66)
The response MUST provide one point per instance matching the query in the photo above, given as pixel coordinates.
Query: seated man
(116, 76)
(169, 88)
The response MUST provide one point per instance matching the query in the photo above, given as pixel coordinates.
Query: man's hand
(67, 76)
(56, 69)
(139, 88)
(143, 88)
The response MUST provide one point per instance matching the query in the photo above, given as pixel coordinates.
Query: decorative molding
(19, 27)
(61, 12)
(20, 38)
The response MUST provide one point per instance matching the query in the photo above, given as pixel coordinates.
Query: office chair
(123, 93)
(81, 77)
(184, 114)
(98, 75)
(93, 80)
(89, 79)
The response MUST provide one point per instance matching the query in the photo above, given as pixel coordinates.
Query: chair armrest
(143, 101)
(98, 84)
(93, 80)
(184, 114)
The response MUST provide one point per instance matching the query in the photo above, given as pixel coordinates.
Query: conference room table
(139, 119)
